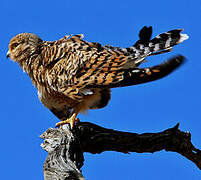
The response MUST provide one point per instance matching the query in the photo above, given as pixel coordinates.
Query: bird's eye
(14, 45)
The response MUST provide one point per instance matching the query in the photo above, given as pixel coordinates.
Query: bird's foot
(70, 121)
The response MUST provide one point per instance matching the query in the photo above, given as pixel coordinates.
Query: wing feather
(86, 64)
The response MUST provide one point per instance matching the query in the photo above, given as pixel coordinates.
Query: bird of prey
(73, 75)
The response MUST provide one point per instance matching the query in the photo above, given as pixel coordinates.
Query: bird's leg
(70, 121)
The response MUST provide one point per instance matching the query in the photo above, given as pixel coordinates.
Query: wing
(132, 76)
(85, 65)
(78, 65)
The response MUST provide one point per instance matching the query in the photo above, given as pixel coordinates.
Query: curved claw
(70, 121)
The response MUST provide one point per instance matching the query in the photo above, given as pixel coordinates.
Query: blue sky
(149, 107)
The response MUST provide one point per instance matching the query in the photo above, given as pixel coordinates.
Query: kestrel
(73, 75)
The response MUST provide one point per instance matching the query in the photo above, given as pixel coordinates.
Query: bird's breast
(53, 99)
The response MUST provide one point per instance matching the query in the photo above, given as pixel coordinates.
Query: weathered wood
(65, 156)
(65, 147)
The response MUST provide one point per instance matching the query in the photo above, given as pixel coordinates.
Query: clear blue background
(150, 107)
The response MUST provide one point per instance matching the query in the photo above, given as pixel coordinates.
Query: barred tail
(143, 75)
(161, 43)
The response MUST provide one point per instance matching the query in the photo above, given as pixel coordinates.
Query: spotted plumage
(73, 75)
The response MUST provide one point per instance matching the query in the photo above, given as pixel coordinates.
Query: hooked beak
(8, 54)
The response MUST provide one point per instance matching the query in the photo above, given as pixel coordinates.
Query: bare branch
(65, 147)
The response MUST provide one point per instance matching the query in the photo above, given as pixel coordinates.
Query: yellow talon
(70, 121)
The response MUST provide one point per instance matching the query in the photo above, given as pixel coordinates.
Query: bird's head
(22, 46)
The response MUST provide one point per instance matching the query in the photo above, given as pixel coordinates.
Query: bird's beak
(8, 54)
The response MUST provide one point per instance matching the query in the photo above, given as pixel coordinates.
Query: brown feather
(73, 75)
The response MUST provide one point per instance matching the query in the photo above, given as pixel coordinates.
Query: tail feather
(167, 40)
(145, 47)
(144, 35)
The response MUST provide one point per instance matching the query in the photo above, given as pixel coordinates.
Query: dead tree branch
(65, 147)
